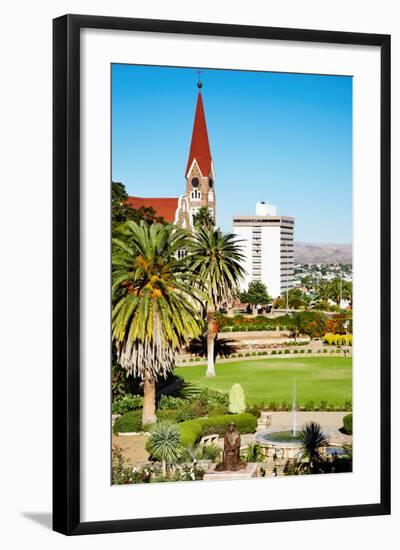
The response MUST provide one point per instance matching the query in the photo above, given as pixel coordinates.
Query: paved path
(203, 361)
(133, 447)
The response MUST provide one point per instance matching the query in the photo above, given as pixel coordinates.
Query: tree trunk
(149, 402)
(164, 468)
(210, 341)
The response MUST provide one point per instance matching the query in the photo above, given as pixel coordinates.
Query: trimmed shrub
(338, 339)
(348, 424)
(237, 401)
(126, 403)
(192, 430)
(128, 422)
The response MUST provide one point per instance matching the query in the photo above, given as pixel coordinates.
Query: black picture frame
(66, 273)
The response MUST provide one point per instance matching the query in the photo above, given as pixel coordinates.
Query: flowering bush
(335, 325)
(338, 339)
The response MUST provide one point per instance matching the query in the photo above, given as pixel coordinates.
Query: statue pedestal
(248, 473)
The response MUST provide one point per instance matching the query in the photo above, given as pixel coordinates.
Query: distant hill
(314, 253)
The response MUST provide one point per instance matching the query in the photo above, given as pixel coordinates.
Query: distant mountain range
(314, 253)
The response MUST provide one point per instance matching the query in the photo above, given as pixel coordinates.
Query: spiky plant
(164, 444)
(217, 261)
(154, 303)
(312, 440)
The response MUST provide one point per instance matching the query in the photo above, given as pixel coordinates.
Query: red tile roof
(164, 207)
(200, 147)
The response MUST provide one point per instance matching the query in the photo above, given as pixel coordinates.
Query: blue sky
(282, 138)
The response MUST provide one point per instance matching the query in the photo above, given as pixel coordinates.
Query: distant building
(200, 179)
(267, 244)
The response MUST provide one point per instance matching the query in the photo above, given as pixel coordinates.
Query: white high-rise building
(267, 244)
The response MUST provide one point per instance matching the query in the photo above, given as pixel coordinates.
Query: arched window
(195, 195)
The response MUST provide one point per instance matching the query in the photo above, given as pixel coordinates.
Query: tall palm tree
(154, 303)
(312, 439)
(216, 259)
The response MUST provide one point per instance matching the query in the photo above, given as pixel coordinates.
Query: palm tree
(323, 291)
(164, 444)
(154, 303)
(216, 259)
(312, 439)
(336, 290)
(348, 292)
(203, 218)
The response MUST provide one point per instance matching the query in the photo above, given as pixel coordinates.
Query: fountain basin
(282, 445)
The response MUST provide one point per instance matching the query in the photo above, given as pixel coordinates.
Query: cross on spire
(199, 82)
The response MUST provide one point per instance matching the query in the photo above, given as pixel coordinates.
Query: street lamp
(345, 325)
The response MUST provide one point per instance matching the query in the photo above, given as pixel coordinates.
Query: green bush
(192, 430)
(126, 403)
(170, 402)
(237, 401)
(348, 424)
(255, 410)
(254, 453)
(211, 452)
(186, 410)
(214, 399)
(309, 351)
(128, 422)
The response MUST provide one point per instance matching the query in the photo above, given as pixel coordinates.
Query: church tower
(200, 180)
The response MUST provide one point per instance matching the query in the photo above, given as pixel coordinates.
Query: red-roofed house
(199, 180)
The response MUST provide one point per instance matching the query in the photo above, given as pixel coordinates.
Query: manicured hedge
(338, 339)
(348, 424)
(128, 422)
(192, 430)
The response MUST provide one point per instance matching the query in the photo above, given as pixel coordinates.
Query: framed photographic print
(221, 274)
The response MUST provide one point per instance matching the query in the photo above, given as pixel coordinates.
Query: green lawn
(317, 379)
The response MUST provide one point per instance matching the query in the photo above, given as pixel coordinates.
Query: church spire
(200, 147)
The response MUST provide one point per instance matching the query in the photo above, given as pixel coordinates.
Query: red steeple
(200, 148)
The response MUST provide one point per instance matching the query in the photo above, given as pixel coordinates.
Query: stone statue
(231, 456)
